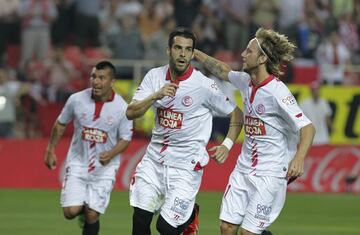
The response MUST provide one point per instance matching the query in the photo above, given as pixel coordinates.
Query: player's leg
(267, 198)
(178, 210)
(146, 194)
(73, 195)
(193, 223)
(234, 202)
(92, 223)
(228, 228)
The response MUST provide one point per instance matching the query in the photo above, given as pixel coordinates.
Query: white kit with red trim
(182, 123)
(97, 128)
(272, 123)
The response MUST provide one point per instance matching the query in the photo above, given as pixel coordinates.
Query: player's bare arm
(216, 67)
(137, 108)
(221, 152)
(105, 157)
(296, 165)
(56, 133)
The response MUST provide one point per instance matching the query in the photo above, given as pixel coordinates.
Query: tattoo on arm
(215, 67)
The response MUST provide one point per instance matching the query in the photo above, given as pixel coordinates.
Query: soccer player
(101, 133)
(169, 175)
(274, 125)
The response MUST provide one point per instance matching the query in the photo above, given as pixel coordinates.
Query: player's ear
(193, 54)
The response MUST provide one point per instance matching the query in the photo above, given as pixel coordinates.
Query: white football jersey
(98, 126)
(183, 123)
(272, 120)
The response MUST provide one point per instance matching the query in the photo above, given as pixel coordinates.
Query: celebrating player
(168, 177)
(274, 125)
(102, 132)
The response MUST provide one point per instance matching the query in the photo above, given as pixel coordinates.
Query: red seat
(95, 53)
(74, 55)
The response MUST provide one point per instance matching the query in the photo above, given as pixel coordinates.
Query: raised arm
(216, 67)
(137, 108)
(56, 134)
(296, 166)
(221, 152)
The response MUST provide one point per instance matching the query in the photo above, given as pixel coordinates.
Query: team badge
(260, 109)
(187, 101)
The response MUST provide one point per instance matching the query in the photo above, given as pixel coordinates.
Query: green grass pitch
(37, 212)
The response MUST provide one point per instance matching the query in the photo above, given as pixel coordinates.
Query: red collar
(111, 98)
(263, 83)
(255, 88)
(180, 78)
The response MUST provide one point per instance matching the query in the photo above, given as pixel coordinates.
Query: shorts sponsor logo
(187, 101)
(170, 119)
(94, 135)
(180, 206)
(263, 212)
(289, 100)
(254, 126)
(260, 109)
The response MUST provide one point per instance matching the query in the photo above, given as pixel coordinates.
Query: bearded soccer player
(277, 135)
(168, 177)
(101, 133)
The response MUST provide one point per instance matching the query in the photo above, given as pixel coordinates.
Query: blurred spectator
(264, 14)
(308, 36)
(109, 24)
(149, 22)
(87, 23)
(164, 8)
(155, 45)
(349, 34)
(60, 73)
(36, 17)
(185, 12)
(291, 13)
(319, 112)
(128, 8)
(236, 23)
(9, 26)
(332, 56)
(63, 26)
(128, 46)
(206, 27)
(10, 92)
(339, 7)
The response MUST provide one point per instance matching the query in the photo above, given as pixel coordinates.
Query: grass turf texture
(28, 212)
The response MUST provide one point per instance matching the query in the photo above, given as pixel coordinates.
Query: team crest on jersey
(94, 135)
(260, 109)
(169, 118)
(187, 101)
(254, 126)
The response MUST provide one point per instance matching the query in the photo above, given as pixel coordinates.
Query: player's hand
(50, 160)
(296, 167)
(220, 153)
(169, 89)
(105, 158)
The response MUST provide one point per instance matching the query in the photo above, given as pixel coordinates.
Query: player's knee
(91, 216)
(227, 228)
(141, 222)
(164, 228)
(70, 212)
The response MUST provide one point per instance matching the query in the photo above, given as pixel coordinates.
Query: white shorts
(95, 193)
(171, 190)
(254, 202)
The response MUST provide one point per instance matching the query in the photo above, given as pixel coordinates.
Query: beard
(251, 69)
(178, 71)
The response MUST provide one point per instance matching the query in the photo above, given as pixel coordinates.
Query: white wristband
(228, 143)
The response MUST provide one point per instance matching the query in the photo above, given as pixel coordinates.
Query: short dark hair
(183, 32)
(106, 65)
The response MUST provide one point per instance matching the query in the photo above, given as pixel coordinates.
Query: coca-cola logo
(328, 173)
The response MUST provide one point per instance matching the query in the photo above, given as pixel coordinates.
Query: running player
(274, 126)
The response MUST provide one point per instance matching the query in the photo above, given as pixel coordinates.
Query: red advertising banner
(327, 168)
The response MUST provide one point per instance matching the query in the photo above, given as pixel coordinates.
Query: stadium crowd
(46, 46)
